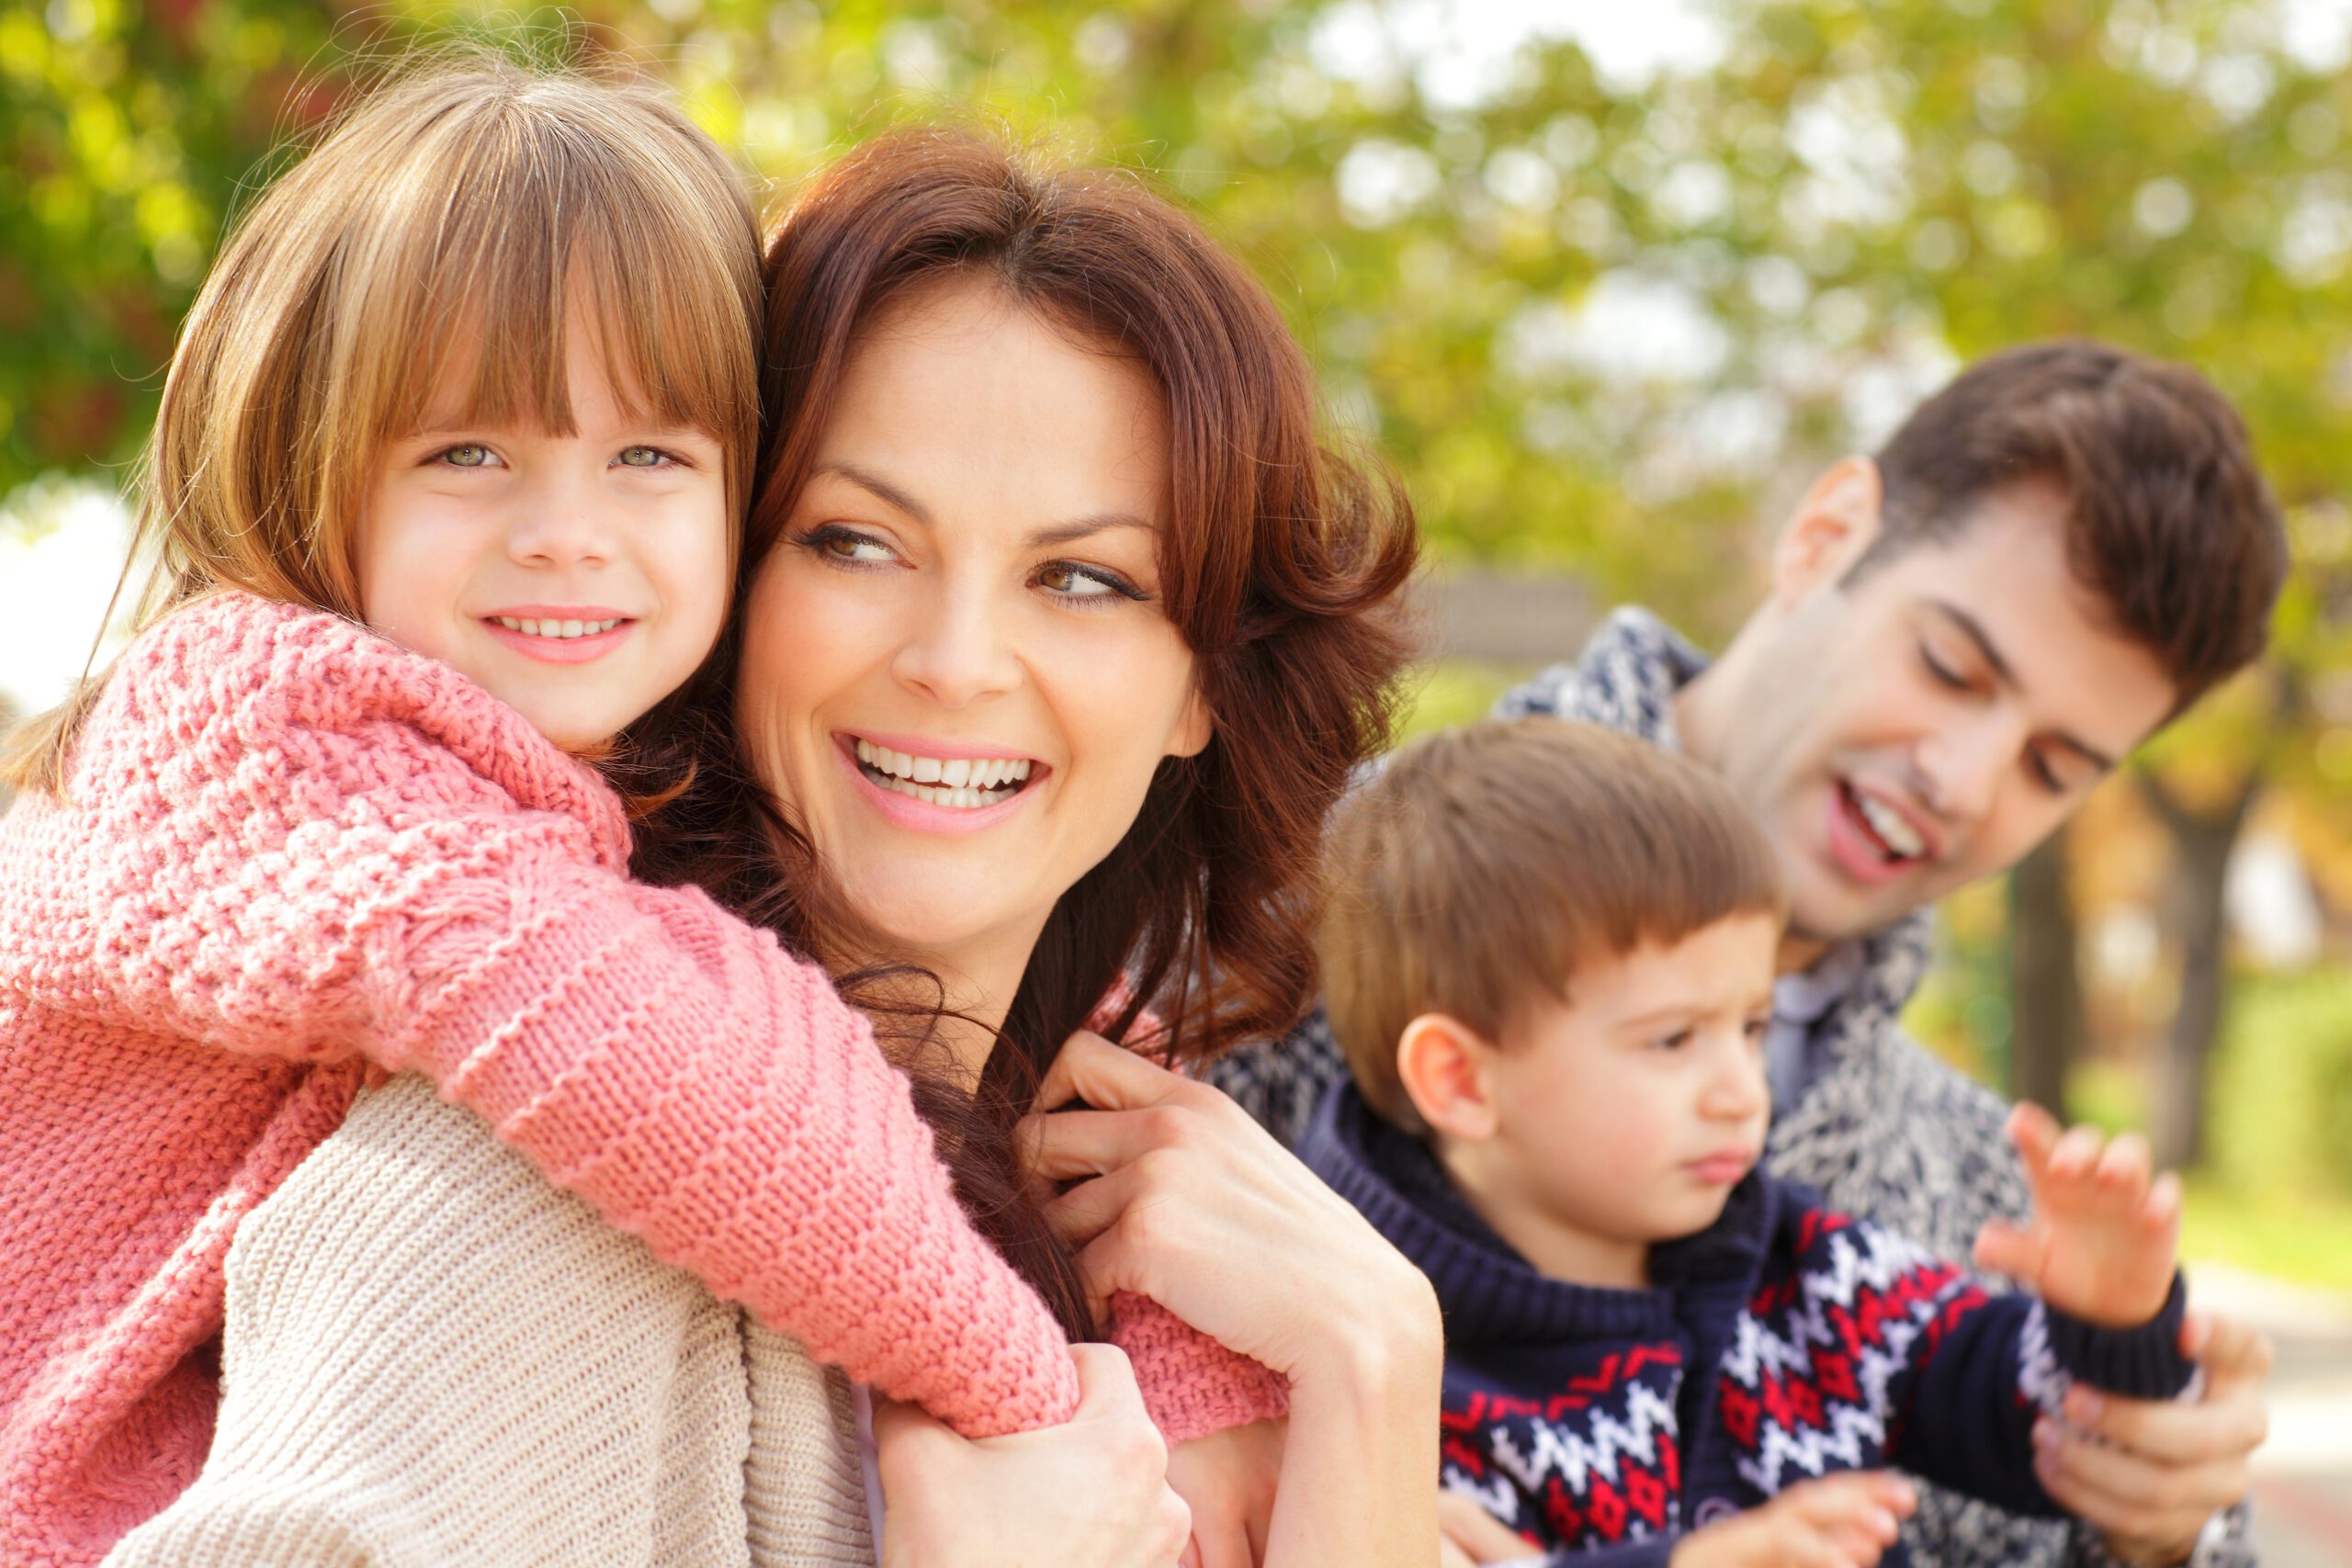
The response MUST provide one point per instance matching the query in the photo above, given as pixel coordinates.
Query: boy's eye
(1756, 1028)
(1673, 1040)
(470, 456)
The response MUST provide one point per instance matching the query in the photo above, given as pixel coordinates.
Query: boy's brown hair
(1486, 865)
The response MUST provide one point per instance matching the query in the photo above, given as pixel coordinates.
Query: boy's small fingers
(2075, 1152)
(2126, 1163)
(2003, 1247)
(2032, 1130)
(2162, 1206)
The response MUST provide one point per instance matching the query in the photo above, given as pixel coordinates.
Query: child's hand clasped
(2101, 1243)
(1840, 1521)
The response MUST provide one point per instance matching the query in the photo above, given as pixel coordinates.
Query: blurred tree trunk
(2201, 844)
(2045, 992)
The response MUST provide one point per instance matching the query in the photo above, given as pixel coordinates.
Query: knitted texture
(290, 854)
(582, 1402)
(1785, 1343)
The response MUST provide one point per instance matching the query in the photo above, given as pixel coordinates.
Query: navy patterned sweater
(1784, 1342)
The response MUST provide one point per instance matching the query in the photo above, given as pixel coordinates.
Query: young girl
(445, 483)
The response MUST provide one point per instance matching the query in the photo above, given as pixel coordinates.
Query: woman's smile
(939, 787)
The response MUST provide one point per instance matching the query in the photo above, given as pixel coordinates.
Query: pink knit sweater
(293, 854)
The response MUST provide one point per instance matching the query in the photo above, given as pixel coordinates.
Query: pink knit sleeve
(1191, 1385)
(320, 878)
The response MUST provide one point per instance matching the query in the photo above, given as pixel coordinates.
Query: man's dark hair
(2169, 522)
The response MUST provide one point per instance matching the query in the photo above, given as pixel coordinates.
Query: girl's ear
(1832, 528)
(1443, 1065)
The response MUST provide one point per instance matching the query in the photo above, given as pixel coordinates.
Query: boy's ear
(1832, 528)
(1443, 1064)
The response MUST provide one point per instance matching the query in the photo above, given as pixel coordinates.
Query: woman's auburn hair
(1283, 564)
(447, 222)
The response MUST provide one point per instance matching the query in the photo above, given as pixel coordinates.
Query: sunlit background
(1607, 282)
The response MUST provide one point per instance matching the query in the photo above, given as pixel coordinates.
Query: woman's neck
(979, 979)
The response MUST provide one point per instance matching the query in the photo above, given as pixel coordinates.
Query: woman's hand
(2148, 1474)
(1228, 1480)
(1469, 1537)
(1183, 1198)
(1089, 1493)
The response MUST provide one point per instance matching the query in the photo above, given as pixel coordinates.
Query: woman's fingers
(1479, 1536)
(1091, 1207)
(1106, 1077)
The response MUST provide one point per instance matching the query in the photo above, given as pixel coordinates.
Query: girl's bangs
(506, 232)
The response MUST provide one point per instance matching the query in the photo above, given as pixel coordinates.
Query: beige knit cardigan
(433, 1356)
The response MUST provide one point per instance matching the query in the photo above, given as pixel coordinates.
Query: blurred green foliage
(1600, 325)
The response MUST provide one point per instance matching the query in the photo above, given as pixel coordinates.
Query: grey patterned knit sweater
(1884, 1129)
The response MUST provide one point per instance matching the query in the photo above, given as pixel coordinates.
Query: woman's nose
(959, 650)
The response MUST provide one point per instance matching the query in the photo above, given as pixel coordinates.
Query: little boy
(1549, 957)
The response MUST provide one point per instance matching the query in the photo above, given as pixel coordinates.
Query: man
(2053, 558)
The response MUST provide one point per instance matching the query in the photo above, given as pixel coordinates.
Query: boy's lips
(1724, 1165)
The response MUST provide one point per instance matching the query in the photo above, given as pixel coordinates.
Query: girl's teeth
(561, 629)
(963, 782)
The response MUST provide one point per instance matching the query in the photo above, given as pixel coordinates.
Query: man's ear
(1194, 725)
(1832, 528)
(1443, 1065)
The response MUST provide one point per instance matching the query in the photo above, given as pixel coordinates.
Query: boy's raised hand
(2101, 1243)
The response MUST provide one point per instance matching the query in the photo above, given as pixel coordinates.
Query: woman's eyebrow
(1043, 539)
(1083, 527)
(882, 489)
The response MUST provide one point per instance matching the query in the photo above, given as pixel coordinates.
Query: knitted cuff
(2138, 1363)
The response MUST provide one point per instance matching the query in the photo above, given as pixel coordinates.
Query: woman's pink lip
(921, 817)
(923, 746)
(562, 650)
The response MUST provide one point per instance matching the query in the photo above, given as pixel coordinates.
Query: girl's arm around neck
(294, 840)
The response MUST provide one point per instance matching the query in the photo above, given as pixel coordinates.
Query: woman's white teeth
(1892, 829)
(555, 629)
(944, 781)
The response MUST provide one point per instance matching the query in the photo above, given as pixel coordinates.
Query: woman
(1060, 635)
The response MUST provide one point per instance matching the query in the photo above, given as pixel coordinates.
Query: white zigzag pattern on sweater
(1859, 1258)
(1575, 1456)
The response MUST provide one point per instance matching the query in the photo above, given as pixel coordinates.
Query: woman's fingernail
(2082, 1407)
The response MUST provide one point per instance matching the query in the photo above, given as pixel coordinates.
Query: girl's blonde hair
(446, 222)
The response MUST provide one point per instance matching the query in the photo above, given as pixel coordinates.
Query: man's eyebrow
(1043, 539)
(1974, 630)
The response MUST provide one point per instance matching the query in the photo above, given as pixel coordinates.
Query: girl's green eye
(466, 457)
(642, 456)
